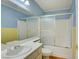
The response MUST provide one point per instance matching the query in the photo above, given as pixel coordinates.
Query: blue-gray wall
(9, 17)
(74, 12)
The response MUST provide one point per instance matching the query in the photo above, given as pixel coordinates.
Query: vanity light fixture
(27, 3)
(22, 0)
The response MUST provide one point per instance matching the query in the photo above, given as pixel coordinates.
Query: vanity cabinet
(37, 54)
(39, 57)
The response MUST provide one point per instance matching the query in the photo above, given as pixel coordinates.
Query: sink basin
(17, 51)
(3, 47)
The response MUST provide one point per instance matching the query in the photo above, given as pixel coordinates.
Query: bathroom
(38, 29)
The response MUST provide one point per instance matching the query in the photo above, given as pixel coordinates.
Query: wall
(74, 47)
(34, 7)
(74, 42)
(9, 19)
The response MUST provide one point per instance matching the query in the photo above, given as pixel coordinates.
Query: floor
(55, 57)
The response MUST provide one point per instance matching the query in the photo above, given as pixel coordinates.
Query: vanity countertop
(34, 46)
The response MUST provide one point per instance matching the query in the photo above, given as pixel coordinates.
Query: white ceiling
(51, 5)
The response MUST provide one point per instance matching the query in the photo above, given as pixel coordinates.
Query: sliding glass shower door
(56, 30)
(63, 31)
(33, 27)
(30, 27)
(22, 29)
(47, 30)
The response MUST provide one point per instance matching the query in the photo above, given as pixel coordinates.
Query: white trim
(56, 14)
(47, 15)
(57, 10)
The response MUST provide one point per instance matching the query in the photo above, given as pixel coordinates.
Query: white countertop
(32, 44)
(24, 41)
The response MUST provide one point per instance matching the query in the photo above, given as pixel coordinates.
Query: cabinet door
(35, 54)
(39, 56)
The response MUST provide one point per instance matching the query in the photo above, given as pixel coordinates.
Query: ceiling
(39, 6)
(52, 5)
